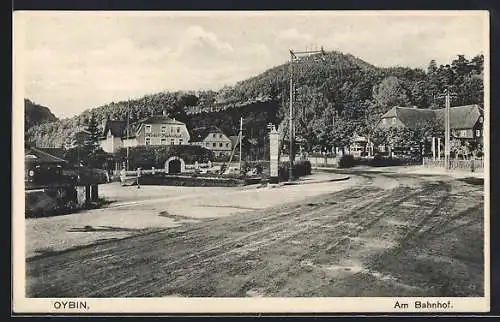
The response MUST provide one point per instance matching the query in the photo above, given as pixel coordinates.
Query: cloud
(293, 35)
(196, 39)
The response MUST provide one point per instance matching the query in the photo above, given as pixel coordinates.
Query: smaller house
(212, 138)
(42, 167)
(113, 132)
(466, 122)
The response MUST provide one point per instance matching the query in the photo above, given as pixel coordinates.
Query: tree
(390, 93)
(92, 142)
(432, 67)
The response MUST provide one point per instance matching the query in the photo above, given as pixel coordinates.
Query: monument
(274, 155)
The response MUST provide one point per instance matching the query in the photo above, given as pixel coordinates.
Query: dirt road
(421, 238)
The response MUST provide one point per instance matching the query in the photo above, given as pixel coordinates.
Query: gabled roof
(461, 117)
(32, 154)
(56, 152)
(159, 119)
(411, 117)
(200, 133)
(116, 127)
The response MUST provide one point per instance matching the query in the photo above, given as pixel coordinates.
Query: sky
(73, 61)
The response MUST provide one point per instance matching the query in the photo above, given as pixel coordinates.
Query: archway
(175, 165)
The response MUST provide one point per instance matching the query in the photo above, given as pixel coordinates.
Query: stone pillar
(433, 148)
(80, 195)
(87, 194)
(94, 192)
(274, 155)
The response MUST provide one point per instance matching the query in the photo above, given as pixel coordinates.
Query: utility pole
(127, 140)
(241, 136)
(447, 130)
(293, 56)
(291, 138)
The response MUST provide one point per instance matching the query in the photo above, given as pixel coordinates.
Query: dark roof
(200, 133)
(116, 127)
(411, 117)
(37, 155)
(461, 117)
(159, 119)
(57, 152)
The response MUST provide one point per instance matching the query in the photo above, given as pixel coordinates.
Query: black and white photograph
(251, 161)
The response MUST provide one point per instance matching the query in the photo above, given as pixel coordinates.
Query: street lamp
(294, 55)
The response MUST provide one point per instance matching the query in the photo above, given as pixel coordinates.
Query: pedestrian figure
(123, 175)
(138, 176)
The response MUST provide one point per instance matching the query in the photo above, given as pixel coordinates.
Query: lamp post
(294, 55)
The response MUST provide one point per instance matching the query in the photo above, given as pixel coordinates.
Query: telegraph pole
(291, 137)
(293, 56)
(241, 136)
(447, 130)
(128, 120)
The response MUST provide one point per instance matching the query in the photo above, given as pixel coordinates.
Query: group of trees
(334, 98)
(352, 102)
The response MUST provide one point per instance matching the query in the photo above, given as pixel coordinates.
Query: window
(227, 145)
(208, 143)
(480, 119)
(148, 140)
(220, 136)
(393, 121)
(163, 141)
(213, 135)
(220, 145)
(214, 145)
(178, 130)
(171, 130)
(462, 133)
(163, 128)
(180, 141)
(147, 129)
(478, 133)
(172, 141)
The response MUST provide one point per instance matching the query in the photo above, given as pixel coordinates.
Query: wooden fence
(456, 164)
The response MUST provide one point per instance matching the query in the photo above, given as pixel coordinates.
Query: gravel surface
(414, 236)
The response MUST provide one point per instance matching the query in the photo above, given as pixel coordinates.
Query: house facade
(154, 130)
(213, 139)
(466, 122)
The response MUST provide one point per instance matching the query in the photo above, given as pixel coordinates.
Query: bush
(300, 168)
(346, 161)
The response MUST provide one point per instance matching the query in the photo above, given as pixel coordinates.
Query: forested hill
(336, 88)
(35, 114)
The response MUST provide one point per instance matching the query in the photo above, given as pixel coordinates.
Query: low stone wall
(190, 181)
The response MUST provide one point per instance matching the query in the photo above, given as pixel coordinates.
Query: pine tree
(92, 142)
